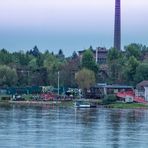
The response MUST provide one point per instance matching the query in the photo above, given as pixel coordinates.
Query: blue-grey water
(53, 127)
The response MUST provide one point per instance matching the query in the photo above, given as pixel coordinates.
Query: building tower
(117, 26)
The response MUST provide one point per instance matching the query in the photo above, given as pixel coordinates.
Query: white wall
(146, 93)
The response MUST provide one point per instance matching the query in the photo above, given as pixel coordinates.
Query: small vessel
(84, 104)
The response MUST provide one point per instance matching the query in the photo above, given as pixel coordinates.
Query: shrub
(5, 98)
(108, 99)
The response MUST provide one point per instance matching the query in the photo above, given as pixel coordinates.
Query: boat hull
(79, 105)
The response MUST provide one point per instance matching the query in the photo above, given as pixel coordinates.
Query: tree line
(41, 68)
(37, 68)
(127, 67)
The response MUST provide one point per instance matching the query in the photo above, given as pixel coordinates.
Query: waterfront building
(142, 89)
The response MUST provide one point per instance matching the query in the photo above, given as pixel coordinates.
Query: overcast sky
(69, 24)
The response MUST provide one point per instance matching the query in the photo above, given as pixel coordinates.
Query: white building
(142, 89)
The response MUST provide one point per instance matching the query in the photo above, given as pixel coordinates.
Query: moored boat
(84, 104)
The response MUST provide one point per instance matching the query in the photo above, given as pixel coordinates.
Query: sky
(70, 25)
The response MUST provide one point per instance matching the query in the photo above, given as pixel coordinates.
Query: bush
(5, 98)
(109, 99)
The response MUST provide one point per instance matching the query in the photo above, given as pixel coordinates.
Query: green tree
(141, 72)
(145, 54)
(130, 69)
(5, 57)
(40, 60)
(68, 70)
(35, 52)
(134, 50)
(33, 64)
(113, 54)
(20, 58)
(116, 63)
(53, 65)
(51, 62)
(88, 61)
(85, 78)
(74, 55)
(8, 76)
(61, 55)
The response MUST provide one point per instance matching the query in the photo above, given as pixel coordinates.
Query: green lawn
(128, 105)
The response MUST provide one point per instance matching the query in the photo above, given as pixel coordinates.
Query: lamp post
(58, 81)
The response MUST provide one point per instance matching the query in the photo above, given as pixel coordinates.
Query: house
(100, 54)
(142, 89)
(102, 89)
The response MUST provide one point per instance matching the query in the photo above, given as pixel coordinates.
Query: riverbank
(58, 103)
(127, 106)
(69, 103)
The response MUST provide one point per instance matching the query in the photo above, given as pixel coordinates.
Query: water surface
(53, 127)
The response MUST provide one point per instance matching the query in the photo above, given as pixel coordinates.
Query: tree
(8, 76)
(51, 62)
(74, 55)
(20, 58)
(134, 50)
(38, 55)
(53, 65)
(5, 57)
(130, 69)
(68, 70)
(33, 64)
(116, 63)
(88, 61)
(35, 51)
(113, 54)
(40, 60)
(85, 78)
(61, 55)
(141, 72)
(38, 77)
(145, 54)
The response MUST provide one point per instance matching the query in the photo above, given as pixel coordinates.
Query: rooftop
(142, 84)
(115, 86)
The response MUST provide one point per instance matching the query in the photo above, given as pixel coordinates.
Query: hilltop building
(100, 55)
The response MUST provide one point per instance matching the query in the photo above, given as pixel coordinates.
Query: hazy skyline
(69, 24)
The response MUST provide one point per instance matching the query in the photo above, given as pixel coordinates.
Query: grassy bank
(127, 105)
(69, 103)
(59, 103)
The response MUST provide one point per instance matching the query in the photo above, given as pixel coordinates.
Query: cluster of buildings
(123, 92)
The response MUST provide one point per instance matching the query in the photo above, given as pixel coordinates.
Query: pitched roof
(143, 83)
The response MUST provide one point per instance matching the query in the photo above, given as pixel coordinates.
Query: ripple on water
(43, 127)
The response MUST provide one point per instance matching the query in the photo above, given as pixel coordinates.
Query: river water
(53, 127)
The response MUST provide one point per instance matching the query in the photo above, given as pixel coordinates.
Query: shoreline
(69, 103)
(37, 103)
(127, 106)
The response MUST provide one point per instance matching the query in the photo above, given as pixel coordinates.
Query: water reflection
(114, 127)
(124, 127)
(52, 126)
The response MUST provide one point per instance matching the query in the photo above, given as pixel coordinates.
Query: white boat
(84, 104)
